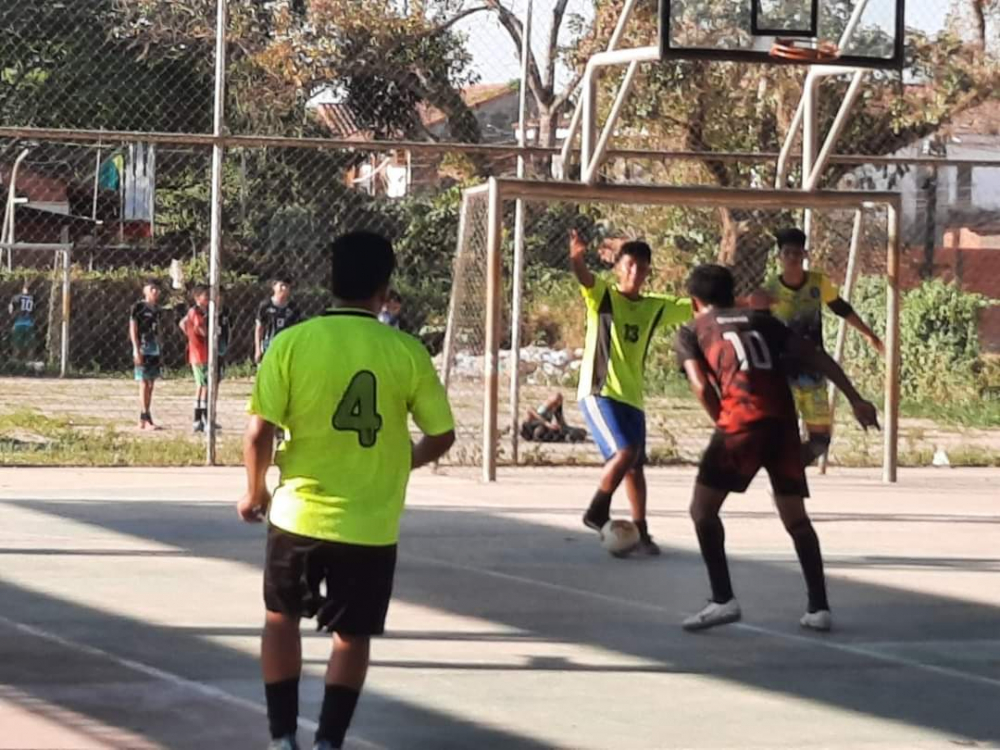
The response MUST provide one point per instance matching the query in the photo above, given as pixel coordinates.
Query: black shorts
(733, 459)
(346, 587)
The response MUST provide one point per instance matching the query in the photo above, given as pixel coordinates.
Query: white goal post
(492, 195)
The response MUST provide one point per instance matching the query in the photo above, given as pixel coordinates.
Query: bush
(941, 360)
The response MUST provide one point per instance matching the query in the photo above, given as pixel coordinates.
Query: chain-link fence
(383, 113)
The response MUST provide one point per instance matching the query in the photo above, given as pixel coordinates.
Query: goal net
(496, 371)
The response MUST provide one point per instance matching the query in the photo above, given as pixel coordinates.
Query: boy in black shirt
(274, 315)
(144, 333)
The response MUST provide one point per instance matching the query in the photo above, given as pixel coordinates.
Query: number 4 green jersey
(619, 331)
(343, 386)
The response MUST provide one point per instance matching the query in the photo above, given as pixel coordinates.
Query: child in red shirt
(195, 327)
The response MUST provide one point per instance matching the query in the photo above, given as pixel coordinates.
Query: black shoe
(593, 521)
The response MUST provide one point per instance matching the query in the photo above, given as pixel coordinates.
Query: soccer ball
(619, 537)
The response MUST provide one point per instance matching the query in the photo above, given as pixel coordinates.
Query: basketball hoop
(804, 51)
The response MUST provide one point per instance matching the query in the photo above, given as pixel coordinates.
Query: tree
(61, 66)
(282, 54)
(550, 102)
(713, 107)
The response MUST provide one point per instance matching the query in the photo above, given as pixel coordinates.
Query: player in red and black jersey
(735, 361)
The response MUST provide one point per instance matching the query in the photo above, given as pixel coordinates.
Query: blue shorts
(615, 425)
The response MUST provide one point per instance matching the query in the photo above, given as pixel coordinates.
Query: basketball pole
(518, 282)
(574, 123)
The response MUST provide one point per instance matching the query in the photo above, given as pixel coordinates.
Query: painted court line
(160, 674)
(816, 641)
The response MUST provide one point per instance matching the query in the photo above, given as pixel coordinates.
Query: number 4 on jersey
(358, 409)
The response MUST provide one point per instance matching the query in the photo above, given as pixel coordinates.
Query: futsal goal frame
(499, 190)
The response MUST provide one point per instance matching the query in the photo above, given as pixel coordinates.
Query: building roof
(342, 123)
(474, 96)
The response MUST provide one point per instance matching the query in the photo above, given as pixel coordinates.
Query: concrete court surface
(130, 606)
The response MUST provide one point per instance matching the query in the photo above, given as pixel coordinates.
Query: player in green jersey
(621, 320)
(342, 386)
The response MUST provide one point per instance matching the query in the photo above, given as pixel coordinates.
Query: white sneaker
(714, 614)
(284, 743)
(820, 620)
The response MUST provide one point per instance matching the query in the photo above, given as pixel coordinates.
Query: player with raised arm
(621, 321)
(735, 361)
(274, 315)
(144, 334)
(796, 297)
(343, 385)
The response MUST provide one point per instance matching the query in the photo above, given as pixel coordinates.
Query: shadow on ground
(550, 585)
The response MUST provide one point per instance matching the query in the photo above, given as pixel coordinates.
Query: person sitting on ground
(547, 424)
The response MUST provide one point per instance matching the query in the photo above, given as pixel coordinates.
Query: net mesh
(553, 318)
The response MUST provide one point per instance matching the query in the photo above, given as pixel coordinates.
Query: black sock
(145, 416)
(712, 540)
(282, 707)
(811, 560)
(599, 511)
(339, 702)
(643, 530)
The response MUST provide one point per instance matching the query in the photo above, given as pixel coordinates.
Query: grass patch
(28, 438)
(984, 413)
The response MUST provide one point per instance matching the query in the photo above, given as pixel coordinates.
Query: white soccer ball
(619, 537)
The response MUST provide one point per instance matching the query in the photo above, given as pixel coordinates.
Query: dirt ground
(677, 429)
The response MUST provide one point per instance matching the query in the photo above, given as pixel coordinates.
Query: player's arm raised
(578, 261)
(814, 358)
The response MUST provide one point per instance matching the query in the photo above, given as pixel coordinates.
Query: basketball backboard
(747, 30)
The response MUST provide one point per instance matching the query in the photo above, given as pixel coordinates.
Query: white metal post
(449, 331)
(809, 145)
(613, 42)
(890, 456)
(588, 93)
(597, 158)
(97, 181)
(518, 280)
(66, 265)
(7, 232)
(812, 177)
(215, 236)
(491, 357)
(846, 292)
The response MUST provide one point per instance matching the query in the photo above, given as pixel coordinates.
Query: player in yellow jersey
(796, 297)
(342, 386)
(621, 320)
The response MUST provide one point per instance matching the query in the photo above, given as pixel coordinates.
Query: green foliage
(425, 250)
(941, 361)
(63, 67)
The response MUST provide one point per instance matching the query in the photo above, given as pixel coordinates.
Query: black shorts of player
(346, 587)
(733, 459)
